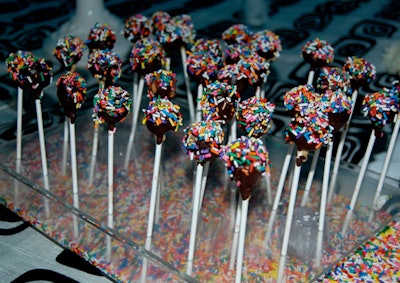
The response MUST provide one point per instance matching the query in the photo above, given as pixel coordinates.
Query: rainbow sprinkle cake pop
(332, 78)
(71, 92)
(111, 105)
(238, 33)
(147, 56)
(105, 66)
(161, 83)
(267, 45)
(101, 37)
(19, 66)
(360, 71)
(162, 116)
(318, 53)
(69, 51)
(136, 27)
(203, 140)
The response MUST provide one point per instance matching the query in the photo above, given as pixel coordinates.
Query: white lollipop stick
(160, 188)
(110, 223)
(187, 83)
(195, 214)
(322, 209)
(154, 189)
(73, 158)
(263, 87)
(268, 185)
(94, 153)
(198, 107)
(135, 85)
(279, 190)
(203, 183)
(310, 177)
(386, 163)
(288, 225)
(339, 150)
(258, 92)
(242, 236)
(310, 77)
(42, 143)
(19, 129)
(360, 178)
(75, 217)
(110, 210)
(235, 235)
(65, 147)
(135, 116)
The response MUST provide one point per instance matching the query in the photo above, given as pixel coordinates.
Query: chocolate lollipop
(105, 66)
(69, 51)
(136, 27)
(111, 105)
(161, 83)
(162, 116)
(100, 37)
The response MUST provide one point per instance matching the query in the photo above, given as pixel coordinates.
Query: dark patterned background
(354, 28)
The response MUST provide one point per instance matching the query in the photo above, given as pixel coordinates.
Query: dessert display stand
(117, 247)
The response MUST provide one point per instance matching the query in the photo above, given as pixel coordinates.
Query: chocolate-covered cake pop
(105, 66)
(147, 56)
(69, 51)
(218, 101)
(111, 105)
(360, 71)
(254, 116)
(267, 44)
(137, 27)
(71, 91)
(201, 68)
(162, 116)
(20, 65)
(339, 109)
(246, 160)
(161, 83)
(203, 140)
(211, 47)
(381, 107)
(101, 37)
(298, 98)
(237, 33)
(318, 53)
(237, 51)
(41, 76)
(332, 78)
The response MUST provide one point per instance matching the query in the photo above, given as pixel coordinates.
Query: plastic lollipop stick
(195, 213)
(110, 173)
(198, 107)
(135, 117)
(360, 178)
(203, 183)
(268, 185)
(144, 265)
(386, 163)
(168, 63)
(310, 77)
(322, 209)
(242, 236)
(135, 85)
(94, 153)
(154, 189)
(263, 87)
(288, 224)
(19, 129)
(279, 190)
(42, 143)
(75, 217)
(258, 92)
(65, 147)
(310, 177)
(73, 158)
(160, 188)
(110, 223)
(187, 83)
(340, 147)
(235, 235)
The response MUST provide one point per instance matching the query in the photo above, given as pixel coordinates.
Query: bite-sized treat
(246, 159)
(105, 66)
(203, 140)
(267, 44)
(254, 116)
(218, 101)
(298, 98)
(69, 51)
(258, 68)
(239, 74)
(211, 47)
(360, 71)
(41, 77)
(136, 27)
(309, 132)
(184, 28)
(339, 108)
(101, 37)
(237, 33)
(19, 66)
(332, 78)
(201, 68)
(318, 53)
(147, 56)
(161, 83)
(162, 116)
(71, 92)
(159, 19)
(237, 51)
(381, 108)
(111, 105)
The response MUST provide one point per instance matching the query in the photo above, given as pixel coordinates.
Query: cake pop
(147, 56)
(105, 66)
(201, 68)
(332, 78)
(236, 51)
(317, 53)
(211, 47)
(69, 51)
(267, 44)
(100, 37)
(296, 100)
(359, 70)
(136, 27)
(161, 83)
(237, 33)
